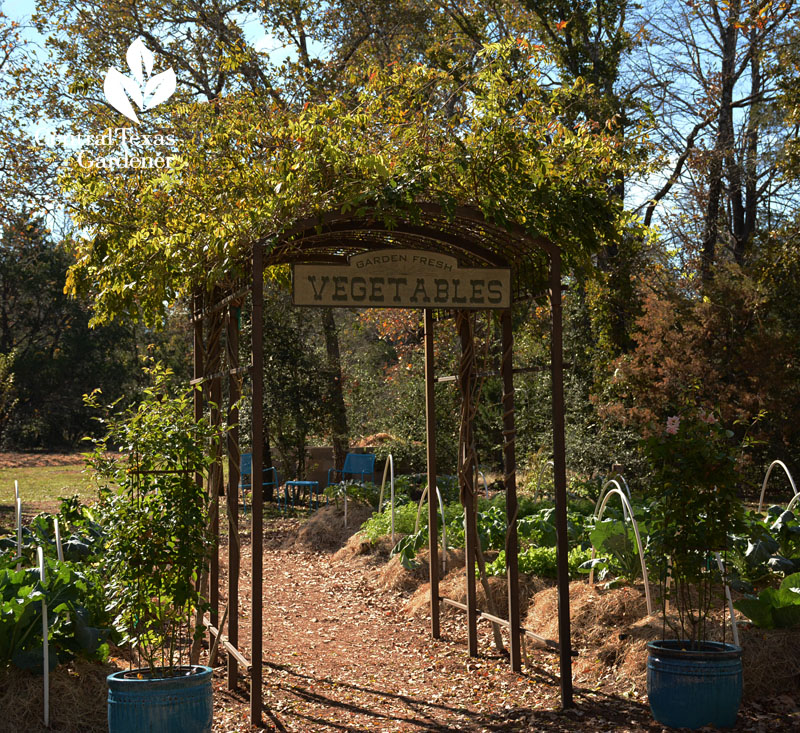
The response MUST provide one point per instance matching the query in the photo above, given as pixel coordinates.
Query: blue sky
(21, 10)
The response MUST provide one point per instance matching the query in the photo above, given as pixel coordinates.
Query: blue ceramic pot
(181, 704)
(690, 688)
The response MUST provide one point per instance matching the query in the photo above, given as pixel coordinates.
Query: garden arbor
(427, 258)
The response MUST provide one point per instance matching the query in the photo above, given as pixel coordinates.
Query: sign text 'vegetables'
(402, 279)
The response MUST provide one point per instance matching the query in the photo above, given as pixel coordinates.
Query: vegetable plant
(617, 552)
(765, 547)
(68, 593)
(541, 561)
(774, 608)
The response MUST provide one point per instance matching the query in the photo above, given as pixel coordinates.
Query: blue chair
(269, 476)
(357, 467)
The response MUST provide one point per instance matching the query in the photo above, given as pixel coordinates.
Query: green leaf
(757, 610)
(792, 582)
(760, 551)
(780, 564)
(586, 567)
(786, 617)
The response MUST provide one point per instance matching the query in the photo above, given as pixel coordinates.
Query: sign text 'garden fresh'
(402, 278)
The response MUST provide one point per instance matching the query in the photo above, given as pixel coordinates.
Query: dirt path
(341, 656)
(14, 459)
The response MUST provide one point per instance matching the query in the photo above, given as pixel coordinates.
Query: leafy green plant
(618, 554)
(403, 487)
(380, 523)
(405, 519)
(785, 528)
(156, 517)
(539, 528)
(82, 536)
(74, 590)
(541, 561)
(586, 487)
(774, 608)
(766, 546)
(70, 622)
(408, 547)
(492, 528)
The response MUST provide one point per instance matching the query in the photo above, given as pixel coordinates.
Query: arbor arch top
(462, 232)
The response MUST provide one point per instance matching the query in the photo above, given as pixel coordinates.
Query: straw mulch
(391, 575)
(359, 550)
(594, 613)
(325, 531)
(610, 630)
(770, 662)
(78, 699)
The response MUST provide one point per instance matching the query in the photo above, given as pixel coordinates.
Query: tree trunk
(746, 224)
(724, 140)
(338, 414)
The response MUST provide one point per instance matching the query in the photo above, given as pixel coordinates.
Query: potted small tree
(158, 544)
(692, 681)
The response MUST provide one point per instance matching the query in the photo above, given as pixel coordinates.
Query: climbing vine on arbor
(497, 139)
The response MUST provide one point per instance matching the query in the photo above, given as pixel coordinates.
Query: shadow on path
(383, 710)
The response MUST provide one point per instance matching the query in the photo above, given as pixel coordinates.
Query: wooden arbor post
(560, 479)
(510, 482)
(430, 438)
(215, 476)
(466, 470)
(257, 560)
(234, 455)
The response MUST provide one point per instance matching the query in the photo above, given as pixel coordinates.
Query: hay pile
(393, 576)
(78, 698)
(454, 585)
(360, 551)
(610, 629)
(594, 613)
(325, 531)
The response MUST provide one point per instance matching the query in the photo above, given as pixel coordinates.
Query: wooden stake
(234, 455)
(560, 481)
(467, 472)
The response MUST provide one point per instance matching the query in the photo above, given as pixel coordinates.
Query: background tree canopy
(578, 121)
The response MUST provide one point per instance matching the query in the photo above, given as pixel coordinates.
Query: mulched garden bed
(345, 650)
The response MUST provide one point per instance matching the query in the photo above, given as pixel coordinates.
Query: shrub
(156, 518)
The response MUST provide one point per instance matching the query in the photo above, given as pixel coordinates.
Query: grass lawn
(40, 488)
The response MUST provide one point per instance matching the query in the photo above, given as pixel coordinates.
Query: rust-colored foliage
(725, 348)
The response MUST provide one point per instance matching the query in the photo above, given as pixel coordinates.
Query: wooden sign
(402, 278)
